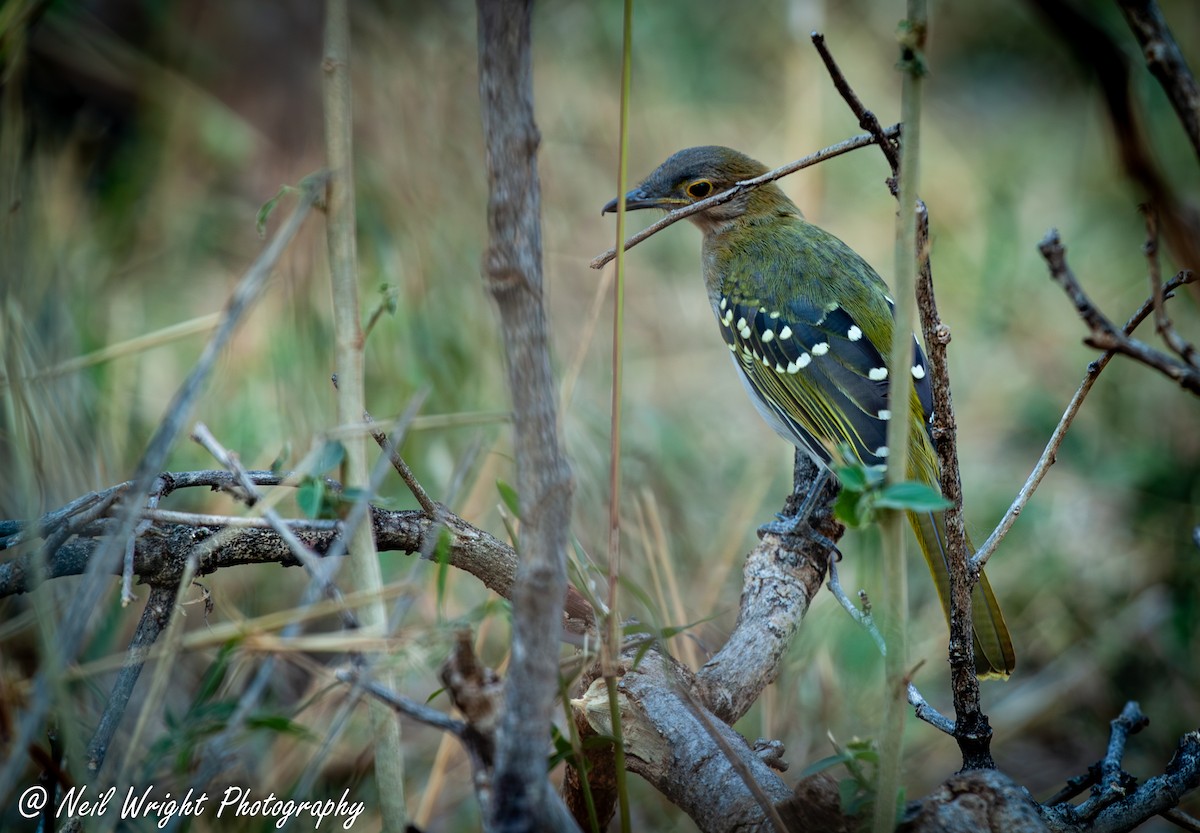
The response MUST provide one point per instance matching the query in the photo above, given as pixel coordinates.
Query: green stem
(612, 643)
(363, 562)
(900, 393)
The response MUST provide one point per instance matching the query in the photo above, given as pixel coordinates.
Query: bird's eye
(700, 189)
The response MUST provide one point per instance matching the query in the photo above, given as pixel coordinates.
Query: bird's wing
(816, 370)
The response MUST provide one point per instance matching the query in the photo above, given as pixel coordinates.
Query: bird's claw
(797, 527)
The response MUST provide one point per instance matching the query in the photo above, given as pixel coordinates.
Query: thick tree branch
(780, 579)
(512, 273)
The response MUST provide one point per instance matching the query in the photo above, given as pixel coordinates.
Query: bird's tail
(994, 656)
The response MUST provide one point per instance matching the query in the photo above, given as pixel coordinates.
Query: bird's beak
(637, 198)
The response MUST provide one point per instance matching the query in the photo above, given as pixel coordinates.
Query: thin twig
(1181, 819)
(155, 617)
(392, 450)
(866, 119)
(921, 706)
(91, 589)
(972, 732)
(900, 387)
(1104, 335)
(678, 214)
(1049, 454)
(1114, 782)
(169, 516)
(1162, 321)
(363, 571)
(403, 705)
(304, 554)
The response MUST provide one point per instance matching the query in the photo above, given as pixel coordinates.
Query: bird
(809, 326)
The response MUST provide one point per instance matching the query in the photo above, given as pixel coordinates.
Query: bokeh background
(141, 139)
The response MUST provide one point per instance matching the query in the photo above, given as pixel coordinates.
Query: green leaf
(509, 496)
(329, 457)
(213, 677)
(264, 213)
(854, 509)
(847, 795)
(352, 495)
(853, 478)
(310, 496)
(279, 724)
(281, 459)
(912, 496)
(821, 765)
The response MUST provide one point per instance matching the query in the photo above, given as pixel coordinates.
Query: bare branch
(512, 273)
(1162, 321)
(866, 119)
(1117, 802)
(1104, 335)
(1099, 55)
(1049, 454)
(781, 577)
(155, 617)
(1166, 62)
(410, 480)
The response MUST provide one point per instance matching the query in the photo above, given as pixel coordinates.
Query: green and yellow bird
(809, 326)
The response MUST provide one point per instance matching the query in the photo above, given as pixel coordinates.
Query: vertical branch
(972, 730)
(363, 563)
(900, 394)
(611, 647)
(512, 273)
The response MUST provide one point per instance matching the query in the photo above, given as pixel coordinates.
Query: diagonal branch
(853, 143)
(1104, 334)
(1050, 453)
(1166, 62)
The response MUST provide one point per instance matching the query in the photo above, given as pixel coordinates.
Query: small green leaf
(821, 766)
(847, 795)
(279, 724)
(329, 457)
(264, 213)
(281, 459)
(509, 496)
(352, 495)
(854, 509)
(310, 497)
(853, 478)
(912, 496)
(213, 677)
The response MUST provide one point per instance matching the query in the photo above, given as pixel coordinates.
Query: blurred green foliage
(140, 140)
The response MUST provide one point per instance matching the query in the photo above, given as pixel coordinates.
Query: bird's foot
(798, 527)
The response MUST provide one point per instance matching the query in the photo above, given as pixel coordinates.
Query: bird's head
(693, 174)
